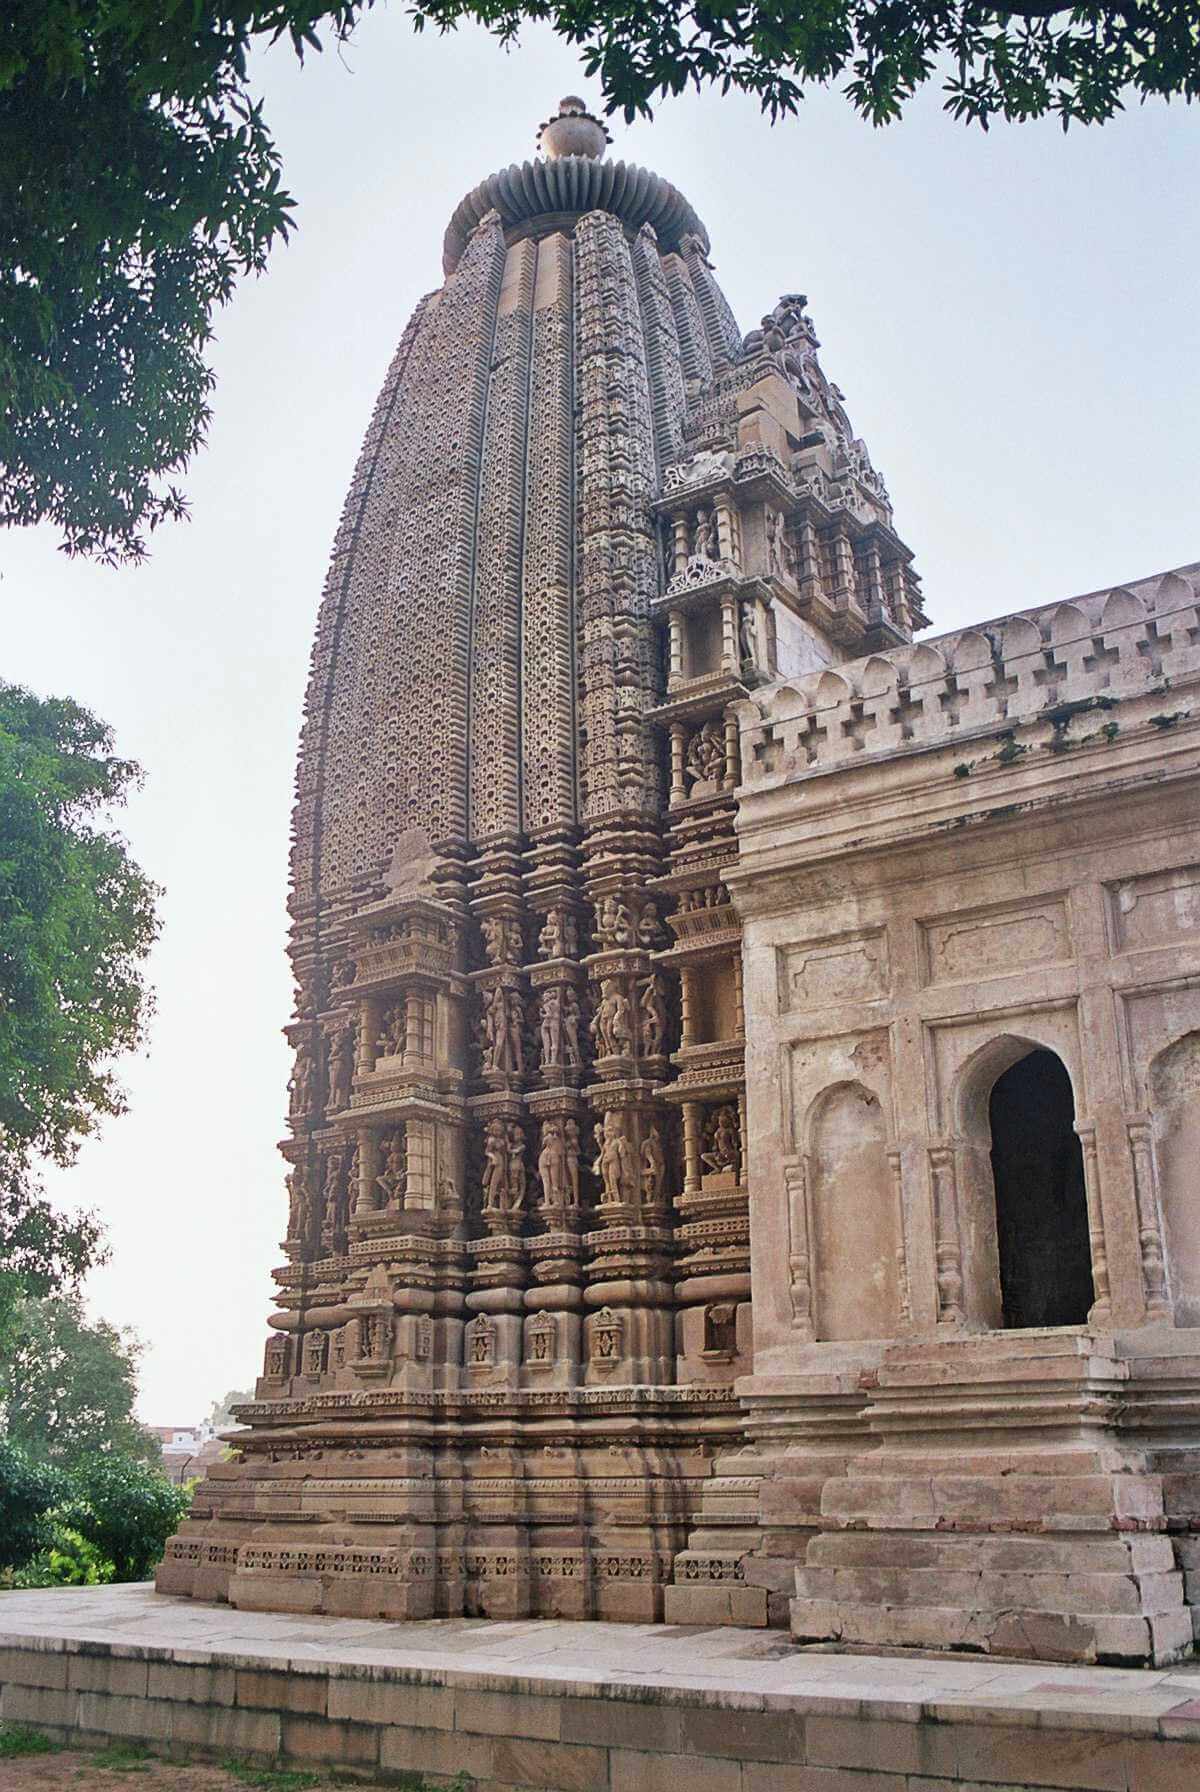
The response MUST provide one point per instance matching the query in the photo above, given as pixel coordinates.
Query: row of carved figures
(620, 1019)
(544, 1340)
(698, 539)
(373, 1338)
(616, 925)
(626, 1174)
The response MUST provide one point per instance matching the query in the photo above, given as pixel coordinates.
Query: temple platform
(566, 1707)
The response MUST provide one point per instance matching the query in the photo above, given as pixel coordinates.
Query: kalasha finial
(573, 131)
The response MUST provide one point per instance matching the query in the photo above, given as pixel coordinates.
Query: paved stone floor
(679, 1656)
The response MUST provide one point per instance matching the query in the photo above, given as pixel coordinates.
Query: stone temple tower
(589, 519)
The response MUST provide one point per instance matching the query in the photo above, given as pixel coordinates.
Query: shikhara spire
(588, 519)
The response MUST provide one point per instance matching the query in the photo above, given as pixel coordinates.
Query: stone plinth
(593, 1708)
(1000, 1510)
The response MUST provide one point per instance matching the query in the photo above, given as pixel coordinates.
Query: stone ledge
(565, 1707)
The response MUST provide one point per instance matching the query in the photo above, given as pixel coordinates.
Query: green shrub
(126, 1511)
(69, 1560)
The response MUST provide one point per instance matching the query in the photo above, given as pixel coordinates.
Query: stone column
(943, 1172)
(732, 761)
(1100, 1313)
(678, 749)
(693, 1120)
(731, 659)
(679, 525)
(675, 667)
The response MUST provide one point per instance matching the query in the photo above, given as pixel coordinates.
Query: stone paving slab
(576, 1707)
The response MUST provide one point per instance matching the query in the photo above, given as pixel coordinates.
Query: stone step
(1148, 1594)
(1129, 1553)
(1030, 1501)
(1123, 1638)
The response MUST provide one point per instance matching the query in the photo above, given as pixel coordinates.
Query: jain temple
(744, 1148)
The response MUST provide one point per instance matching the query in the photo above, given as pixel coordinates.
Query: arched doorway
(1042, 1240)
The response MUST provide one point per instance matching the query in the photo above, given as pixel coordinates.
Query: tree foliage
(220, 1415)
(68, 1387)
(76, 920)
(28, 1490)
(139, 178)
(127, 1511)
(1014, 61)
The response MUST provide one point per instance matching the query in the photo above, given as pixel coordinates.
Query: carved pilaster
(1100, 1313)
(896, 1173)
(795, 1180)
(1145, 1182)
(943, 1171)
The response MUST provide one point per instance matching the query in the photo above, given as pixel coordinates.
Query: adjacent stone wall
(575, 1737)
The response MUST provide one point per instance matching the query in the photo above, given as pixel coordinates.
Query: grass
(20, 1739)
(124, 1757)
(294, 1779)
(273, 1779)
(135, 1757)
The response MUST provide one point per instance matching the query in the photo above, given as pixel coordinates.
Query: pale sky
(1014, 321)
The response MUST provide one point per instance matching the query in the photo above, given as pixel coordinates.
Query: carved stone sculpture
(551, 1027)
(501, 939)
(704, 535)
(503, 1022)
(516, 1168)
(571, 1018)
(390, 1042)
(706, 754)
(341, 1068)
(298, 1192)
(572, 1148)
(559, 936)
(392, 1181)
(654, 1168)
(495, 1168)
(747, 636)
(615, 1162)
(721, 1140)
(333, 1198)
(614, 923)
(303, 1086)
(613, 1023)
(652, 1013)
(649, 928)
(778, 554)
(552, 1165)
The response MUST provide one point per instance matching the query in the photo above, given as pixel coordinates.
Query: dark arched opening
(1041, 1205)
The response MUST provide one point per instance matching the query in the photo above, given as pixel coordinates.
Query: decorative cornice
(574, 184)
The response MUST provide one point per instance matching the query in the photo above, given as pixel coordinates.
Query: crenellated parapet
(1053, 664)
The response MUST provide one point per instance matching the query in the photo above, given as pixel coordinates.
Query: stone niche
(845, 1224)
(1174, 1080)
(854, 1238)
(714, 1011)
